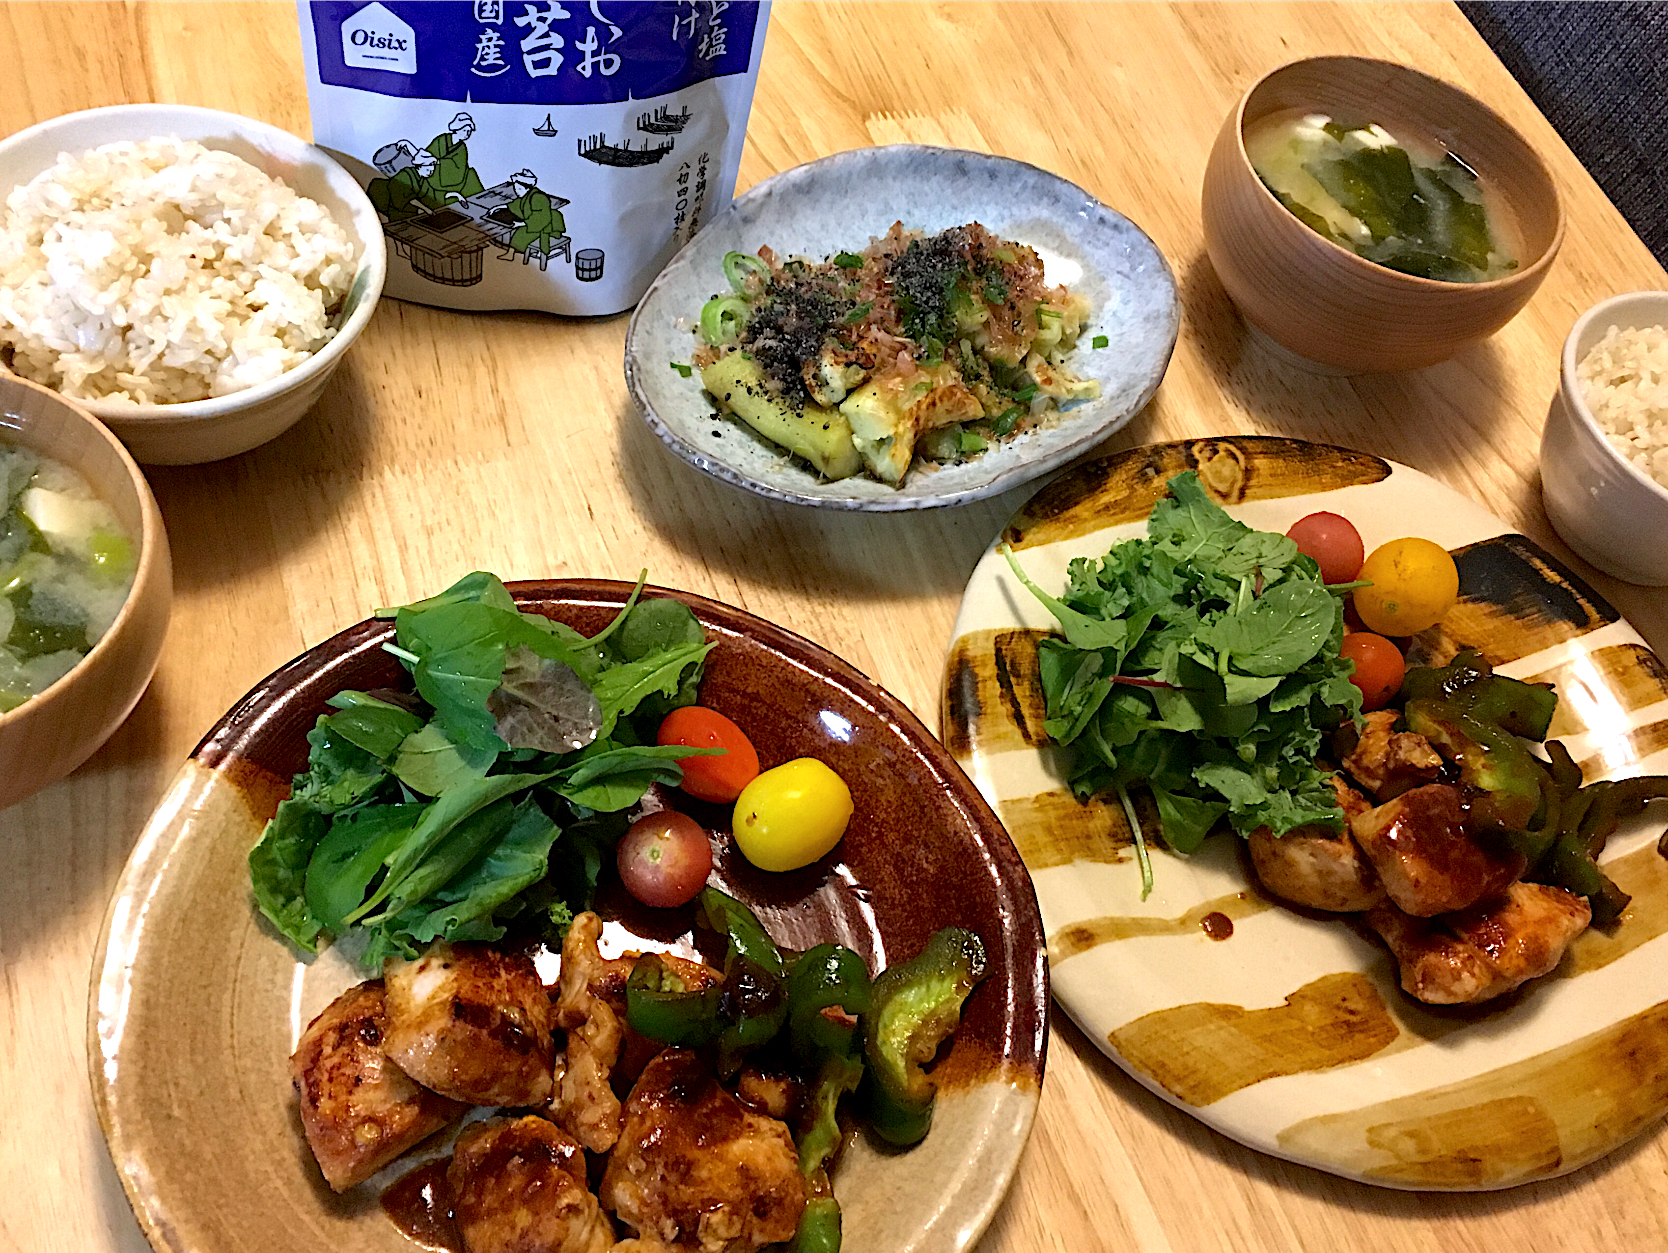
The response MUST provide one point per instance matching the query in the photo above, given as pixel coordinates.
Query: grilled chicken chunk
(695, 1170)
(472, 1023)
(1388, 762)
(585, 1104)
(1487, 950)
(519, 1187)
(1317, 866)
(360, 1111)
(1424, 858)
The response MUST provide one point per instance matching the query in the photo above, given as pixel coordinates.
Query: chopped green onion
(847, 260)
(1044, 311)
(1003, 423)
(738, 265)
(722, 319)
(971, 441)
(1099, 341)
(1025, 395)
(858, 313)
(681, 368)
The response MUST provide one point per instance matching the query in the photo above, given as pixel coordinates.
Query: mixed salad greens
(1203, 663)
(498, 788)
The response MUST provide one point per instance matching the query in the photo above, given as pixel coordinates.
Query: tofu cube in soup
(359, 1110)
(1426, 861)
(473, 1023)
(518, 1186)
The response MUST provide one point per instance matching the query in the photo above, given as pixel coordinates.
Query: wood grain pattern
(450, 441)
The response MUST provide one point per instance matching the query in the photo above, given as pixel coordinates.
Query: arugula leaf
(345, 861)
(620, 689)
(438, 821)
(374, 725)
(499, 873)
(1238, 625)
(1281, 630)
(610, 777)
(339, 774)
(478, 588)
(278, 870)
(430, 762)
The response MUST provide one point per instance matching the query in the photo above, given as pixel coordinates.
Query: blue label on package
(530, 51)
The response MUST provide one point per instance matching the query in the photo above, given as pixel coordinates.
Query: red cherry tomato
(717, 778)
(664, 859)
(1379, 667)
(1334, 544)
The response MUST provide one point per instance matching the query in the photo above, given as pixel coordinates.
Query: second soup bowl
(1320, 302)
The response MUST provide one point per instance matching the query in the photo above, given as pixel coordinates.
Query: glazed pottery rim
(373, 260)
(1575, 400)
(790, 647)
(1021, 475)
(151, 545)
(1361, 264)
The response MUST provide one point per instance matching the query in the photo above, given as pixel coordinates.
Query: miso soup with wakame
(1402, 203)
(66, 567)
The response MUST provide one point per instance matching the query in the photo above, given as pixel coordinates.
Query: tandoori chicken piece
(1487, 950)
(585, 1105)
(519, 1186)
(697, 1171)
(360, 1111)
(473, 1023)
(1425, 859)
(1388, 762)
(1316, 866)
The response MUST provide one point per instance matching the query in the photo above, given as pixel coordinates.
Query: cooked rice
(163, 271)
(1624, 378)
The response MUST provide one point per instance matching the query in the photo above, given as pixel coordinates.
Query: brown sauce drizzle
(420, 1204)
(1217, 925)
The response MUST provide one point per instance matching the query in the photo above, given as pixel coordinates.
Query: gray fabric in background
(1599, 72)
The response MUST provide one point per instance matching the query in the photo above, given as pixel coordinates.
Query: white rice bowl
(161, 271)
(1624, 380)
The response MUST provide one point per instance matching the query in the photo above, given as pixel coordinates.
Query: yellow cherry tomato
(1414, 582)
(791, 816)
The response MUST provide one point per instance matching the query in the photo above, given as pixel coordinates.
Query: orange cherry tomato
(1379, 667)
(717, 778)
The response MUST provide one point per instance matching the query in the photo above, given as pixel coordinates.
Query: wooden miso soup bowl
(1319, 302)
(49, 735)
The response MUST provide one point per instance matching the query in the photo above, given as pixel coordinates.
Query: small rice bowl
(164, 271)
(1624, 380)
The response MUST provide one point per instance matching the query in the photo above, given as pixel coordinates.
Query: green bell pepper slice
(916, 1006)
(819, 1227)
(660, 1006)
(828, 976)
(1506, 779)
(1470, 685)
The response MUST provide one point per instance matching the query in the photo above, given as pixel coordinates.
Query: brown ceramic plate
(197, 1003)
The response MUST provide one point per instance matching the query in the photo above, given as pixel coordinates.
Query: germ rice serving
(164, 271)
(1624, 379)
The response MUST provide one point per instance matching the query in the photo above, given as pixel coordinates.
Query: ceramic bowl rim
(152, 547)
(1569, 382)
(374, 261)
(1018, 476)
(1413, 282)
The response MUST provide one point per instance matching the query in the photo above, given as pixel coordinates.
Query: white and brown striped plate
(1291, 1034)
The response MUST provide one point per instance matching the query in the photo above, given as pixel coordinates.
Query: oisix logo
(374, 39)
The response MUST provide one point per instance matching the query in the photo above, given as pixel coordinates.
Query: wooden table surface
(450, 441)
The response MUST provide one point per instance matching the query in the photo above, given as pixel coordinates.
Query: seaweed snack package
(534, 154)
